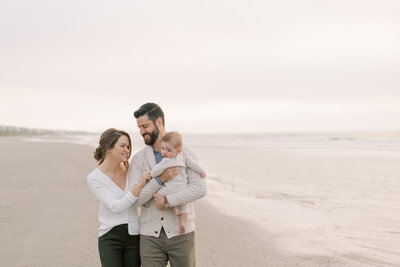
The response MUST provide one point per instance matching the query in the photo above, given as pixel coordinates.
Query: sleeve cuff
(172, 200)
(131, 197)
(159, 181)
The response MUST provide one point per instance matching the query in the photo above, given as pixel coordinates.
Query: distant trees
(21, 131)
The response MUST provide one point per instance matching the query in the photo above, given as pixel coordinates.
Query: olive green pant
(179, 250)
(117, 248)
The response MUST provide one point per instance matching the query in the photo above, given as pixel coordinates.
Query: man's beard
(153, 136)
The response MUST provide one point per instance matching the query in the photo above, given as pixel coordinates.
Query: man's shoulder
(141, 154)
(138, 161)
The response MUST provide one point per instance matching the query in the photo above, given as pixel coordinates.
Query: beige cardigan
(152, 219)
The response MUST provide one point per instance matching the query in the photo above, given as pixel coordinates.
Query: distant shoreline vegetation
(22, 131)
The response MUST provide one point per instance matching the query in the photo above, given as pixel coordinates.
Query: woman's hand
(142, 182)
(146, 177)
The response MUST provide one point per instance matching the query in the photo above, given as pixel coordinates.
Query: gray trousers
(179, 250)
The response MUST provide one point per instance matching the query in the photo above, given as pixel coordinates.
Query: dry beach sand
(48, 217)
(250, 217)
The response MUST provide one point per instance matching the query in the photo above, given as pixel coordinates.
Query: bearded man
(160, 240)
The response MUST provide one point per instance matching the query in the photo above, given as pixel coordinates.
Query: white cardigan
(115, 204)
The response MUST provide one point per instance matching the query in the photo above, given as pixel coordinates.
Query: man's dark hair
(152, 110)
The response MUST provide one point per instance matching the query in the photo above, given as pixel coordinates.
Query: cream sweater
(152, 219)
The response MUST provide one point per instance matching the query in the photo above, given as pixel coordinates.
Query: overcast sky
(213, 66)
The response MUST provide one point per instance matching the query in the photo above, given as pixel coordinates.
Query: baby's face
(168, 150)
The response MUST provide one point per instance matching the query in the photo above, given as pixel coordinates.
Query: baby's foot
(182, 228)
(176, 211)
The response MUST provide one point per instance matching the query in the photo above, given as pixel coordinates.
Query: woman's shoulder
(95, 174)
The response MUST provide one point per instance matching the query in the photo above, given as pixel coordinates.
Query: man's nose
(141, 131)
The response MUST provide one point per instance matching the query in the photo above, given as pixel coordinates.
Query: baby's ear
(179, 150)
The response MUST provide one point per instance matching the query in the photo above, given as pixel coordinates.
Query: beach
(266, 206)
(48, 215)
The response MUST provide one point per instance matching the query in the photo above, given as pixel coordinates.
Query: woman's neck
(111, 166)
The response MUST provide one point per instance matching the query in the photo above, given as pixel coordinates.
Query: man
(160, 240)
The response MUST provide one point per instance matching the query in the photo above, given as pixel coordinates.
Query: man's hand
(159, 201)
(169, 174)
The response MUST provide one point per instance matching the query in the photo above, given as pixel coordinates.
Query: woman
(119, 223)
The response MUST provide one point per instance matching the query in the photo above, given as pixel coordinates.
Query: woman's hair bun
(98, 154)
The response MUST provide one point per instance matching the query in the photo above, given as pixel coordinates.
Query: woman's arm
(135, 191)
(116, 205)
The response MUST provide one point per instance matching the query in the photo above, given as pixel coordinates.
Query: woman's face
(121, 150)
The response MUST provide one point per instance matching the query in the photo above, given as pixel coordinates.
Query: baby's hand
(203, 175)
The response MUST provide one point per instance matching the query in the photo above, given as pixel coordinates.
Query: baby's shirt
(179, 182)
(181, 160)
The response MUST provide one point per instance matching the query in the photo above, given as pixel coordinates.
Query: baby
(171, 150)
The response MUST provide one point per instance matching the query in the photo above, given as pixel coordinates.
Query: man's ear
(159, 122)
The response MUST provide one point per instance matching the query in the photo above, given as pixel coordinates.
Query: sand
(49, 216)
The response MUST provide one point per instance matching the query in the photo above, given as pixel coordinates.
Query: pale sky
(213, 66)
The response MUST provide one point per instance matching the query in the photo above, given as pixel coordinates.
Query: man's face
(148, 130)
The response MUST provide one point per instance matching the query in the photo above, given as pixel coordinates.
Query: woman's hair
(108, 139)
(173, 138)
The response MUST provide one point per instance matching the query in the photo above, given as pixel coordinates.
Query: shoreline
(373, 143)
(229, 240)
(322, 207)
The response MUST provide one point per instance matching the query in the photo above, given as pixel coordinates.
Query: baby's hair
(174, 138)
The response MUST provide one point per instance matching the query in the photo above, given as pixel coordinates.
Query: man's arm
(197, 187)
(135, 172)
